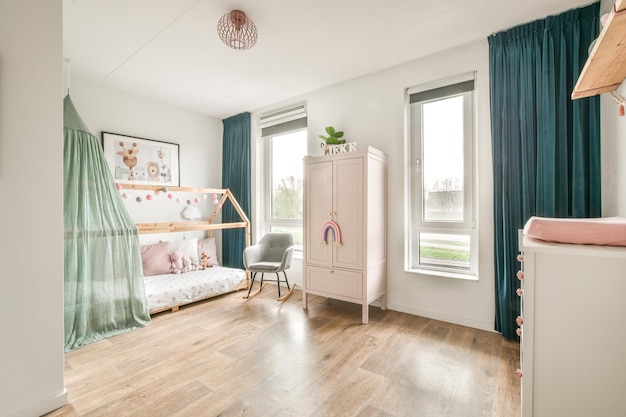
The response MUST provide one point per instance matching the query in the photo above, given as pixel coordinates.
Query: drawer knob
(519, 292)
(520, 275)
(519, 320)
(520, 258)
(518, 373)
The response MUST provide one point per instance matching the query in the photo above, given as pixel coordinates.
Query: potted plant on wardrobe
(334, 144)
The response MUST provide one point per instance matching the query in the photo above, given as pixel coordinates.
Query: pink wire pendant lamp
(237, 30)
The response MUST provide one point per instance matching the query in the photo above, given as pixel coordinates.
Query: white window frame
(277, 123)
(268, 219)
(414, 188)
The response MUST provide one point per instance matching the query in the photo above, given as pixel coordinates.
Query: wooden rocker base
(284, 297)
(254, 294)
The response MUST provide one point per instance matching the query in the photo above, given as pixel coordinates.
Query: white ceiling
(169, 50)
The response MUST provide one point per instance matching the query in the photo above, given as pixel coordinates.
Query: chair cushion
(273, 246)
(264, 266)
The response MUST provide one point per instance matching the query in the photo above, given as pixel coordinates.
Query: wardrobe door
(318, 206)
(348, 212)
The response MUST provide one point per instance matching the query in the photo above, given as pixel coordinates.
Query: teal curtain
(104, 292)
(236, 177)
(545, 147)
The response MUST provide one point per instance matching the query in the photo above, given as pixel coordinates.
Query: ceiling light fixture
(237, 30)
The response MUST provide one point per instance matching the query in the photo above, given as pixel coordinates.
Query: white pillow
(189, 247)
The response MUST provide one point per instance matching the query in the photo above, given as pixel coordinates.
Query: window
(443, 236)
(285, 145)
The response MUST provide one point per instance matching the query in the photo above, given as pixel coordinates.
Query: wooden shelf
(170, 227)
(605, 68)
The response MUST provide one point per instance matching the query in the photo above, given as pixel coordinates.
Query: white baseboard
(44, 406)
(463, 321)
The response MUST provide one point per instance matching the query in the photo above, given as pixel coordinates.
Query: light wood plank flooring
(232, 357)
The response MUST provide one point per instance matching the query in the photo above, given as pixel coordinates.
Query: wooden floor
(232, 357)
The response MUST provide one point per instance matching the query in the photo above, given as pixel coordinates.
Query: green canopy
(104, 290)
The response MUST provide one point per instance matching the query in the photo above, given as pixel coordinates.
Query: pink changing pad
(608, 231)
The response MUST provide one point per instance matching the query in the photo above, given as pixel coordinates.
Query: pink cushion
(208, 246)
(609, 231)
(156, 259)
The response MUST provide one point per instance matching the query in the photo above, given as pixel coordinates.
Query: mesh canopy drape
(236, 177)
(104, 290)
(545, 147)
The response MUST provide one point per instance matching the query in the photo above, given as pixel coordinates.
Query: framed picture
(135, 160)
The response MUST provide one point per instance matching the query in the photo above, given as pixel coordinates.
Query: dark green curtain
(104, 291)
(236, 177)
(545, 147)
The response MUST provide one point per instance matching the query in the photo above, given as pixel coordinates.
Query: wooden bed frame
(200, 225)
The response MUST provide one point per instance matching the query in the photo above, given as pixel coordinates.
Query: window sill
(443, 274)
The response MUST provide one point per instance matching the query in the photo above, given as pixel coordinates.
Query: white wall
(613, 134)
(107, 109)
(613, 130)
(371, 112)
(199, 137)
(31, 224)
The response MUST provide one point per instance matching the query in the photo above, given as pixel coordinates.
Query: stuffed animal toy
(204, 261)
(177, 263)
(191, 264)
(194, 263)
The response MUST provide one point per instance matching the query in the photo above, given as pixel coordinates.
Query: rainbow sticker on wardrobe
(330, 226)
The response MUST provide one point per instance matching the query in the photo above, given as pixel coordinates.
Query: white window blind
(283, 121)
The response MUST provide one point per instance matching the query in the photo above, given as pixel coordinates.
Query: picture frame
(135, 160)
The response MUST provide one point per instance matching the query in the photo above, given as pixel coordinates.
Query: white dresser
(573, 336)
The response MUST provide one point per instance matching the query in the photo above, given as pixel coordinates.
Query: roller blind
(283, 121)
(446, 87)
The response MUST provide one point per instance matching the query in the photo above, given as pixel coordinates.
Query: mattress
(171, 290)
(605, 231)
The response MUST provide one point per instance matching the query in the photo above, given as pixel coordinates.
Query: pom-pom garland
(170, 196)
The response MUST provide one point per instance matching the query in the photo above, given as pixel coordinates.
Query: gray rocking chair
(272, 254)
